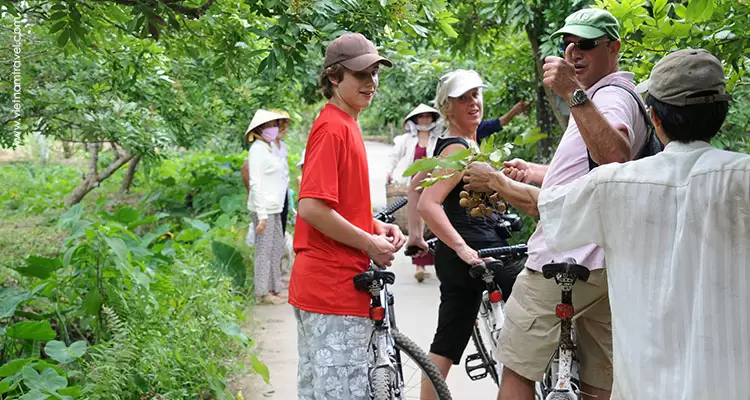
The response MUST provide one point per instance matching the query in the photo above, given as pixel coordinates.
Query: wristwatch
(579, 97)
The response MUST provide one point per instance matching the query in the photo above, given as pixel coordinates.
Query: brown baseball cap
(354, 51)
(678, 77)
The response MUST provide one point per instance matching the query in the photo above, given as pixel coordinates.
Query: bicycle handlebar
(387, 214)
(504, 251)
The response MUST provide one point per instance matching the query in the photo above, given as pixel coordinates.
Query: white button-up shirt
(675, 229)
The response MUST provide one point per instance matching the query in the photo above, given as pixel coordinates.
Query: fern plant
(111, 364)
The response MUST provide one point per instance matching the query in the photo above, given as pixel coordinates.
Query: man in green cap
(606, 126)
(676, 229)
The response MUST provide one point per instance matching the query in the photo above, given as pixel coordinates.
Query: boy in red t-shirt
(336, 236)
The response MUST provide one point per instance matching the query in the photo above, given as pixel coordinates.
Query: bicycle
(490, 317)
(563, 367)
(389, 349)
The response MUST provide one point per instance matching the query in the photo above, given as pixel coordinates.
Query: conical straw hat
(421, 109)
(260, 118)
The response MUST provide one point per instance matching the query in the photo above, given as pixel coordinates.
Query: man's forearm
(521, 195)
(330, 223)
(605, 143)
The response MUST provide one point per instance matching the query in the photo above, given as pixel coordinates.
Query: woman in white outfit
(422, 131)
(269, 180)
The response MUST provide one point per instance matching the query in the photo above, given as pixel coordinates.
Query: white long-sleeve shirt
(675, 229)
(402, 155)
(269, 180)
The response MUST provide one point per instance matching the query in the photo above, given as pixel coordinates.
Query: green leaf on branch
(427, 182)
(425, 164)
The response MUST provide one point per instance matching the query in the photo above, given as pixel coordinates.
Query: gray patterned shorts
(333, 361)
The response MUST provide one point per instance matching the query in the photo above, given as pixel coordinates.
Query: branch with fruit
(478, 204)
(456, 162)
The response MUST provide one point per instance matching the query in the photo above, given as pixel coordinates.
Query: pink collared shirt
(571, 161)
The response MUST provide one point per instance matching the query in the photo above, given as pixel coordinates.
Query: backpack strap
(650, 130)
(444, 142)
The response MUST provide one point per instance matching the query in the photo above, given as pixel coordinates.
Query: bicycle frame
(567, 345)
(383, 318)
(565, 367)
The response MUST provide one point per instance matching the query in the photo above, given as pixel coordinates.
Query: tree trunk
(67, 149)
(92, 179)
(547, 111)
(132, 167)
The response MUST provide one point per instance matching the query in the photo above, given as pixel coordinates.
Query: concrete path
(416, 310)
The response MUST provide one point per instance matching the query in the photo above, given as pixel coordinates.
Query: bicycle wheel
(413, 363)
(382, 382)
(493, 367)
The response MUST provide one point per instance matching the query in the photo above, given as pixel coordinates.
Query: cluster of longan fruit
(481, 204)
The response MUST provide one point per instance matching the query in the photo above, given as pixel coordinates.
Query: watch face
(579, 96)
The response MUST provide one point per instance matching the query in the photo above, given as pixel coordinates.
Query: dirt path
(416, 305)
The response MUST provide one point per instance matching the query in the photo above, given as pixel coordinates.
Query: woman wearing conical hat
(269, 181)
(422, 131)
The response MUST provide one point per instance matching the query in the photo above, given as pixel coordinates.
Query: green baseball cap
(590, 23)
(680, 76)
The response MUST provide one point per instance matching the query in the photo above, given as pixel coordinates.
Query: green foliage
(123, 309)
(651, 30)
(492, 150)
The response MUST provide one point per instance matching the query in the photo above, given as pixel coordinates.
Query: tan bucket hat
(421, 109)
(260, 118)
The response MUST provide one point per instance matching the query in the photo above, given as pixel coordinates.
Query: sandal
(282, 295)
(419, 275)
(270, 299)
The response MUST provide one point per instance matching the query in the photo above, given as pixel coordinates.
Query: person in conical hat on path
(268, 185)
(421, 132)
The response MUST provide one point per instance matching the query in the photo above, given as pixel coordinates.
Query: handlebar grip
(411, 251)
(518, 249)
(391, 209)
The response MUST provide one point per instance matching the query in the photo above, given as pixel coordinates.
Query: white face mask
(411, 126)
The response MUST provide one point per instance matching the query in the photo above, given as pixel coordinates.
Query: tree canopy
(145, 75)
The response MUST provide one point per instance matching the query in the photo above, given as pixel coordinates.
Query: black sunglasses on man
(583, 44)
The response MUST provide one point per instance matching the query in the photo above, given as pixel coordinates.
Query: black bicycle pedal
(480, 366)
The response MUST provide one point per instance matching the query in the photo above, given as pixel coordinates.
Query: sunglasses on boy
(583, 44)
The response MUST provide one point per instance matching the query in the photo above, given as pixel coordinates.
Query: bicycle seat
(363, 281)
(567, 267)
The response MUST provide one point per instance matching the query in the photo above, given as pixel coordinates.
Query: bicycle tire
(408, 347)
(476, 337)
(382, 384)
